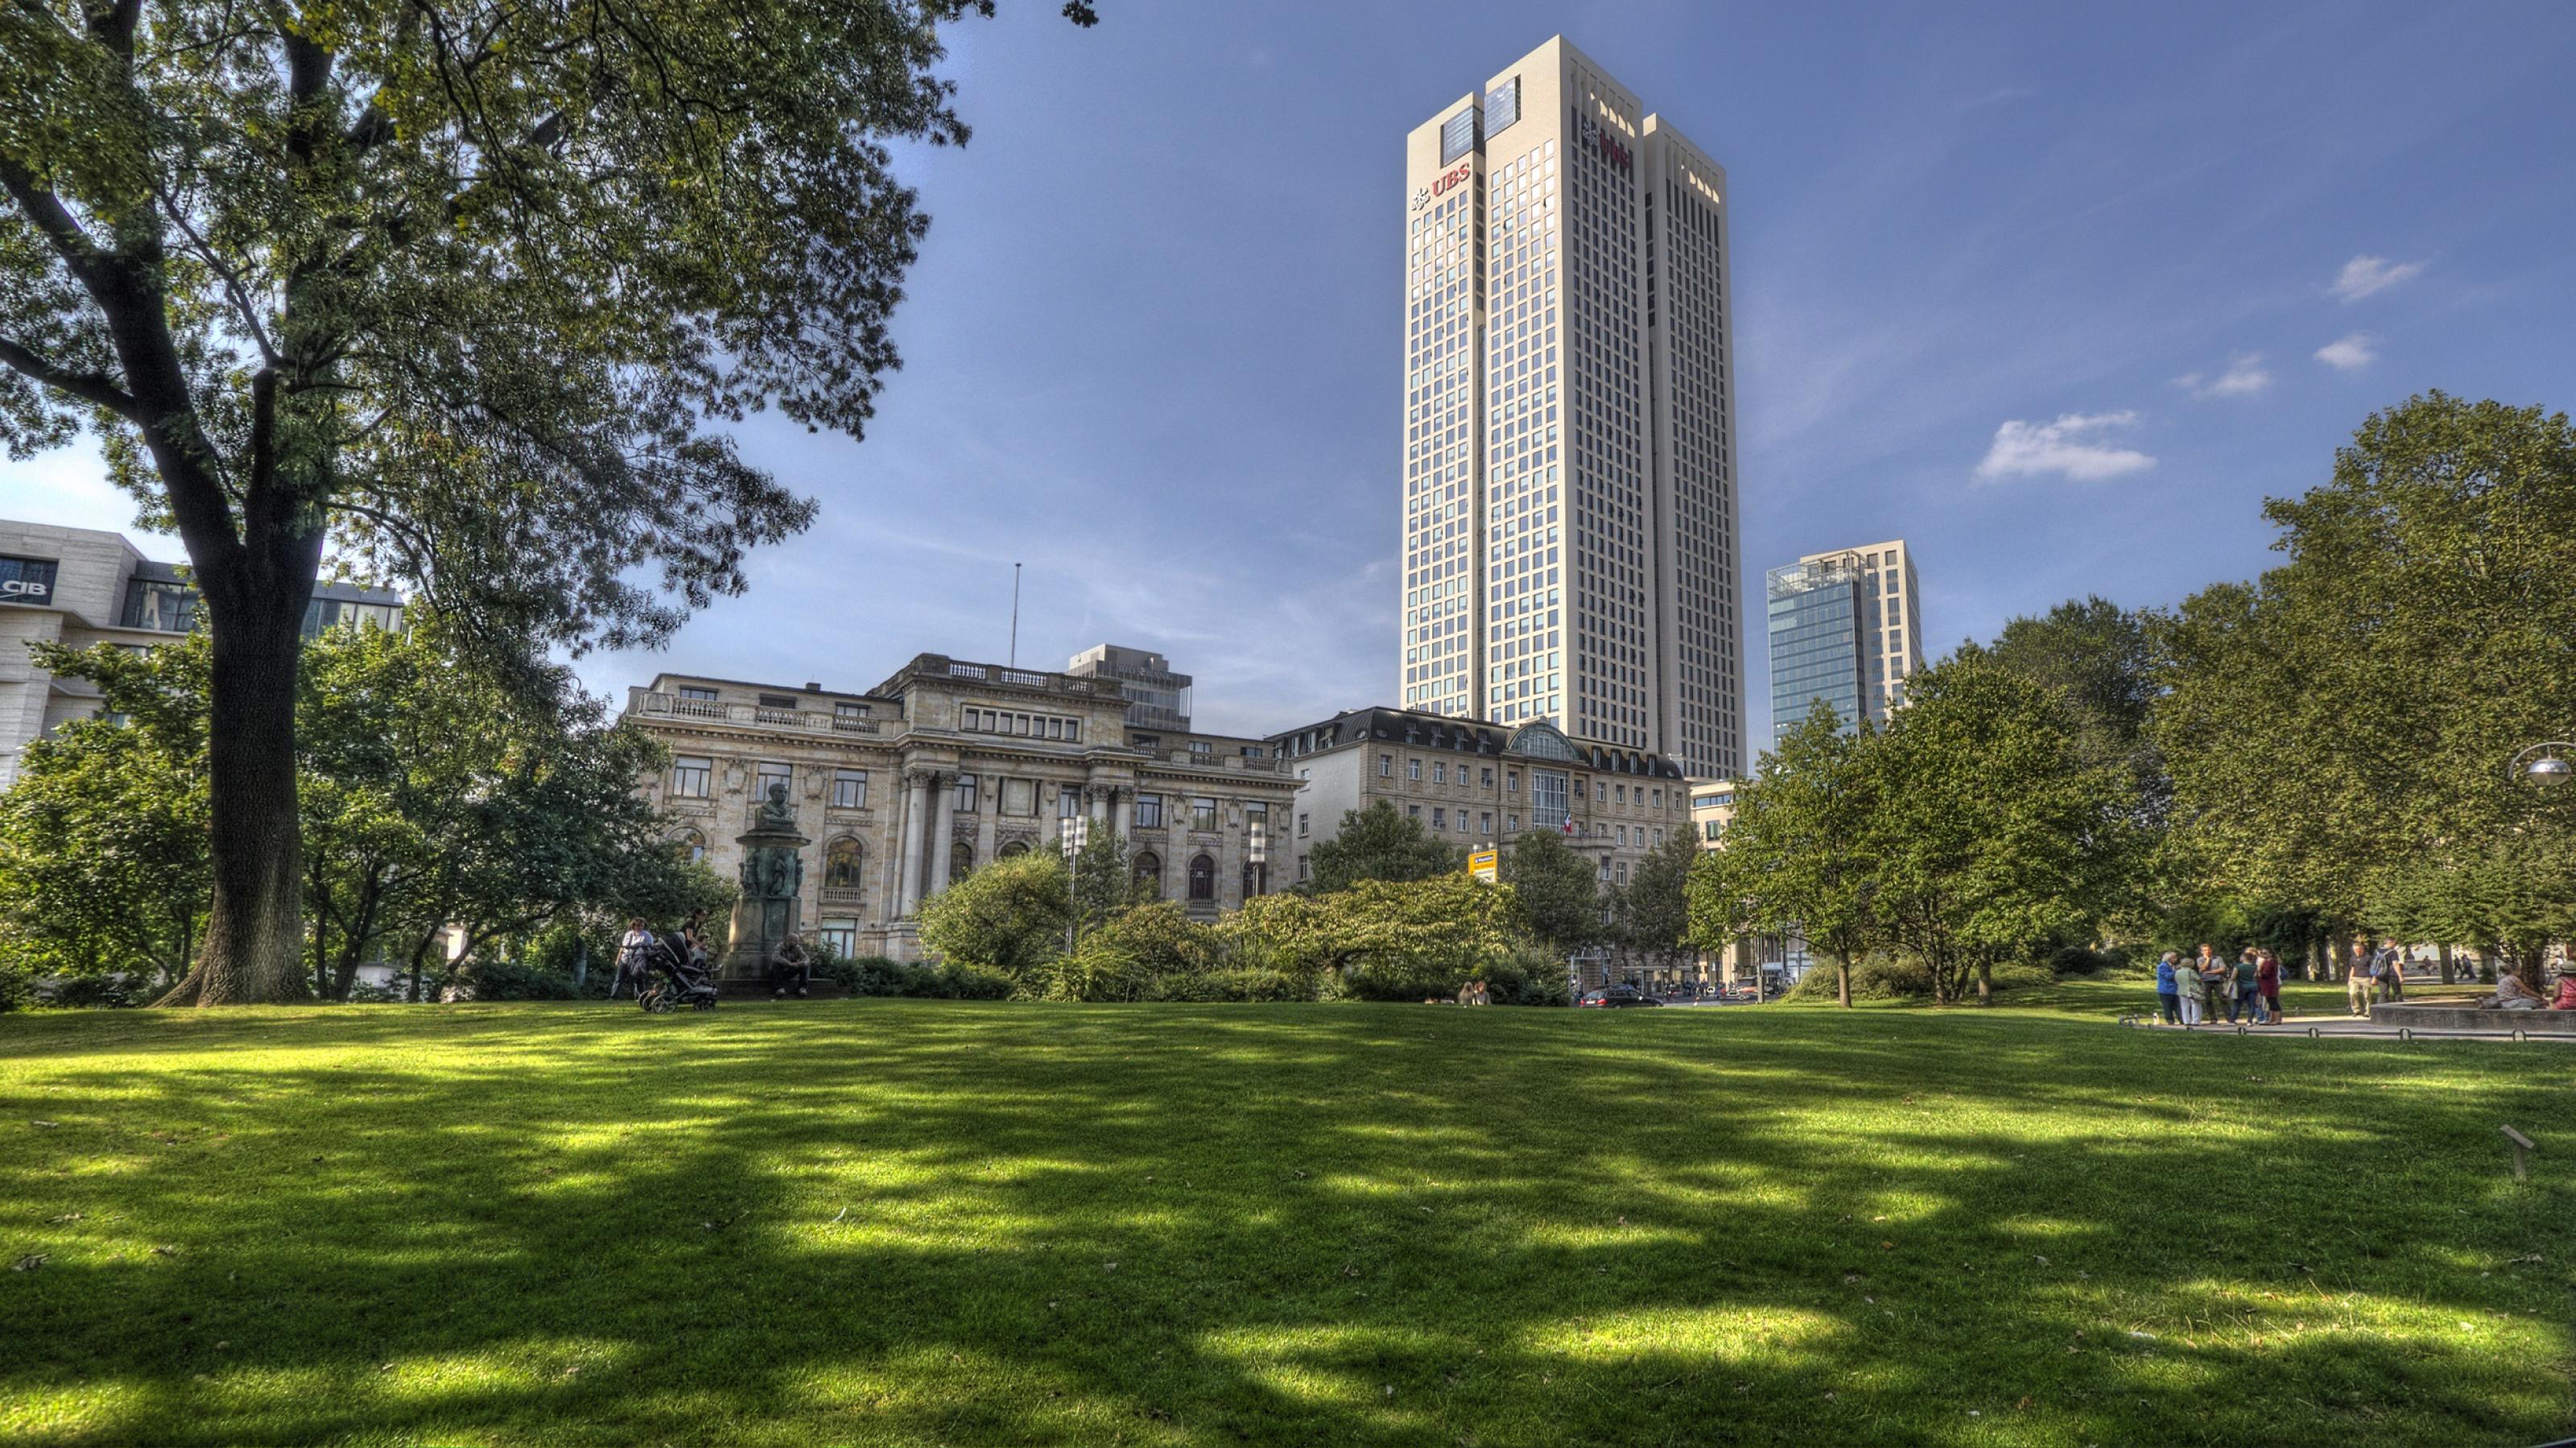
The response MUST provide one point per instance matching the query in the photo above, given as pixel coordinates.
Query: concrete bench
(2453, 1015)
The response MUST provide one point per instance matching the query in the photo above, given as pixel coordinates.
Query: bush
(1529, 975)
(17, 988)
(1873, 978)
(1254, 983)
(877, 975)
(2111, 960)
(2022, 975)
(510, 980)
(101, 988)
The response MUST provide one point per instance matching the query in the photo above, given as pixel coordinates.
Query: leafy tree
(1559, 891)
(1650, 916)
(1380, 939)
(103, 837)
(1799, 856)
(431, 797)
(466, 289)
(1010, 916)
(1380, 843)
(2338, 730)
(1990, 837)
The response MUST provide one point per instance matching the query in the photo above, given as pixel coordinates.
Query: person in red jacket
(2267, 985)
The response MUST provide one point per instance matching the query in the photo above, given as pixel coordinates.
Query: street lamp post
(1076, 832)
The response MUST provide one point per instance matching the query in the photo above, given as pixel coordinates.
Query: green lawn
(900, 1222)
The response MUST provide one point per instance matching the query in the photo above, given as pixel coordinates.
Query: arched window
(1202, 877)
(841, 864)
(691, 846)
(1149, 870)
(1014, 848)
(961, 860)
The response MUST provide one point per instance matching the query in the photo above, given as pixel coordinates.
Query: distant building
(1157, 698)
(1569, 508)
(1846, 630)
(912, 785)
(1480, 785)
(82, 586)
(1712, 809)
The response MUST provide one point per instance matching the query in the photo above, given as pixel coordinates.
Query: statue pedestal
(773, 872)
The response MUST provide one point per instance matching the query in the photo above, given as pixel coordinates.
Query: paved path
(2354, 1027)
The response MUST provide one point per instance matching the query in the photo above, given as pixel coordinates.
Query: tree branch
(95, 388)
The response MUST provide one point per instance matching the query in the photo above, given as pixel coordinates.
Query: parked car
(1613, 997)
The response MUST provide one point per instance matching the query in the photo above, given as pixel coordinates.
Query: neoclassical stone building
(947, 766)
(1481, 785)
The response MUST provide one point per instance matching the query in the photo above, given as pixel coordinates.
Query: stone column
(943, 828)
(916, 783)
(1097, 796)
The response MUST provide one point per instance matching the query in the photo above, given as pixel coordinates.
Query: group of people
(791, 965)
(2191, 992)
(2374, 975)
(2188, 992)
(2513, 993)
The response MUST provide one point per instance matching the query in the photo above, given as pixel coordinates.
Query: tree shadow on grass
(912, 1223)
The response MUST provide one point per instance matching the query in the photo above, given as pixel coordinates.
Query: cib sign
(26, 580)
(1484, 864)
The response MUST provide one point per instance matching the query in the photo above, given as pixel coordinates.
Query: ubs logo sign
(1612, 149)
(1448, 179)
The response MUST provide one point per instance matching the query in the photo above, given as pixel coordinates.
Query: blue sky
(2057, 293)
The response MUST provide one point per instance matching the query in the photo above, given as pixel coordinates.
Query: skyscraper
(1846, 630)
(1570, 548)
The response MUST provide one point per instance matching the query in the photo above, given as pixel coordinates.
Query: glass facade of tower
(1816, 641)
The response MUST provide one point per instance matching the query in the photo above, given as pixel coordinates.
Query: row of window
(1028, 726)
(693, 777)
(1603, 791)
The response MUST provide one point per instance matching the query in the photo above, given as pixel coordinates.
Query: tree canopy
(469, 293)
(1380, 843)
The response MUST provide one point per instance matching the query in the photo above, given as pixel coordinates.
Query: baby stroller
(679, 980)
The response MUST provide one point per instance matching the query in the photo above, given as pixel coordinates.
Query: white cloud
(2364, 275)
(2244, 377)
(2065, 447)
(2349, 354)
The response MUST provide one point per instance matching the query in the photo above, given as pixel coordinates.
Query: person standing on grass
(632, 969)
(2357, 980)
(2241, 996)
(2267, 984)
(2206, 968)
(2169, 988)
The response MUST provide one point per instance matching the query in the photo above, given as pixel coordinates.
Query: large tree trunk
(1842, 981)
(255, 933)
(2447, 972)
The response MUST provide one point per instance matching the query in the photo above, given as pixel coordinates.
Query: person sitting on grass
(790, 967)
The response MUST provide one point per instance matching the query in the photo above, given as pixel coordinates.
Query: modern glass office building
(1815, 641)
(1846, 630)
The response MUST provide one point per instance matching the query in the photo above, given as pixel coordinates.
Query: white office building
(1570, 546)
